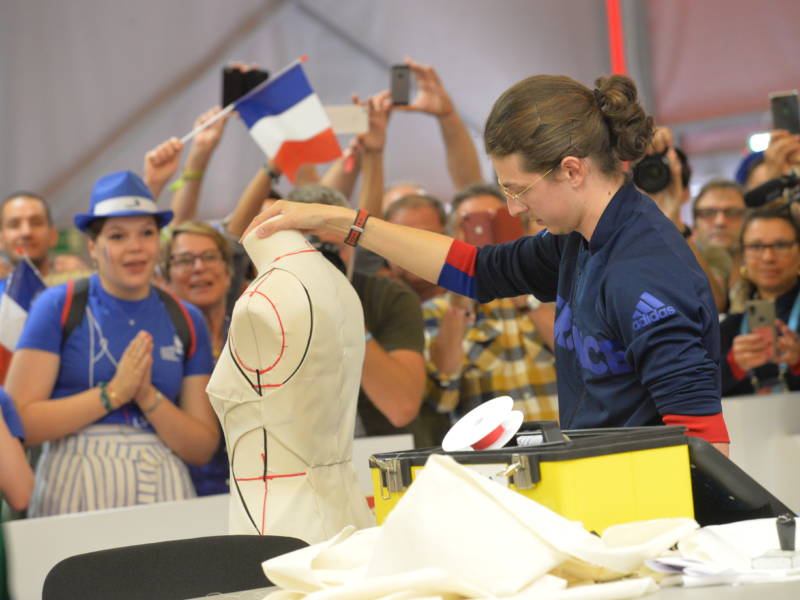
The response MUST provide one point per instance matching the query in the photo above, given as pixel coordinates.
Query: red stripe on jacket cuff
(711, 428)
(462, 256)
(735, 369)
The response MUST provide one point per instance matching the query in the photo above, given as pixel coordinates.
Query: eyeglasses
(515, 197)
(711, 213)
(780, 248)
(185, 260)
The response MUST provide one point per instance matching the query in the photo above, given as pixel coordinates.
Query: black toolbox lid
(573, 444)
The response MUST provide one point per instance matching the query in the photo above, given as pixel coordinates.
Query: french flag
(288, 122)
(23, 285)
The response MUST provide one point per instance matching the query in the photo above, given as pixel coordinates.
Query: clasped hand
(132, 379)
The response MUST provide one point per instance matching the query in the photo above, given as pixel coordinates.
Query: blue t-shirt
(91, 353)
(636, 328)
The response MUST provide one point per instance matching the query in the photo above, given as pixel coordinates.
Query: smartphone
(785, 111)
(761, 319)
(236, 83)
(478, 228)
(505, 227)
(400, 85)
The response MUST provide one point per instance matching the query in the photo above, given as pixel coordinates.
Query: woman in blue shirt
(119, 400)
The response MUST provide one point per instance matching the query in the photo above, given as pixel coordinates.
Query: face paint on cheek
(106, 255)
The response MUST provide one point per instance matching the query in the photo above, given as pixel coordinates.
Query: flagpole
(208, 123)
(231, 106)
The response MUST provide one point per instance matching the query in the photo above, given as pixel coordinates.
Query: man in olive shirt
(393, 377)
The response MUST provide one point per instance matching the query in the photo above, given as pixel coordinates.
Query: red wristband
(357, 228)
(709, 427)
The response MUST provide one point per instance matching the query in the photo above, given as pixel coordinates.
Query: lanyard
(794, 319)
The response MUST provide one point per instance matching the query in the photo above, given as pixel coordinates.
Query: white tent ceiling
(88, 86)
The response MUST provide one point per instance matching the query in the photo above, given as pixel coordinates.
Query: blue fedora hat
(121, 194)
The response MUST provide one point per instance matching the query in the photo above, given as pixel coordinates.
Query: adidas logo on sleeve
(649, 310)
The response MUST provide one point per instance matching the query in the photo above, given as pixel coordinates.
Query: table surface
(788, 590)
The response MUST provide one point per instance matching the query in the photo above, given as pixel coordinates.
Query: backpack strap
(74, 306)
(181, 320)
(74, 310)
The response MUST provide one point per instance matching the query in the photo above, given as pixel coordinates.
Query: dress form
(285, 390)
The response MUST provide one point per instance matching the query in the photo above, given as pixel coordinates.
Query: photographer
(663, 174)
(766, 361)
(781, 155)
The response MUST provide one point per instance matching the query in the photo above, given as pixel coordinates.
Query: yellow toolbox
(600, 477)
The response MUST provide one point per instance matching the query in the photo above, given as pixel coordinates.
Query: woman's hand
(431, 96)
(160, 164)
(379, 107)
(301, 216)
(751, 350)
(788, 344)
(782, 153)
(133, 368)
(145, 395)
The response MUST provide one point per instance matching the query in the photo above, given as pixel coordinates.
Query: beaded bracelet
(104, 398)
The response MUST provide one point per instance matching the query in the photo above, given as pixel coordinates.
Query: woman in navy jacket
(637, 334)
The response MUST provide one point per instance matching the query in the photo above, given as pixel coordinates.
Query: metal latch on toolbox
(391, 476)
(524, 471)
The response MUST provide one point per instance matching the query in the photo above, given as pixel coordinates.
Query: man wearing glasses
(718, 212)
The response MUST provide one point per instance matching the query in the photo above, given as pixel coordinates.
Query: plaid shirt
(503, 355)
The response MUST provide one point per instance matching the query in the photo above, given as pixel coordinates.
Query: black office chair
(177, 569)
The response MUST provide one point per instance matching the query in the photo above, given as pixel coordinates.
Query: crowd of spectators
(431, 355)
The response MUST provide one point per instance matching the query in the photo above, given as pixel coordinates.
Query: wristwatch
(445, 382)
(531, 304)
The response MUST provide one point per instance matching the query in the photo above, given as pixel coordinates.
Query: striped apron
(107, 466)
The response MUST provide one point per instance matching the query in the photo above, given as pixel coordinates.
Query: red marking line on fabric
(283, 335)
(292, 254)
(489, 439)
(263, 477)
(266, 478)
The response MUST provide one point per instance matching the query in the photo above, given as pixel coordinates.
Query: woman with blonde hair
(197, 266)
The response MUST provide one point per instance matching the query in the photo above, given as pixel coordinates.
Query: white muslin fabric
(456, 534)
(725, 554)
(285, 390)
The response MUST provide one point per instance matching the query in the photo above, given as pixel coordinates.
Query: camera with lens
(786, 187)
(652, 174)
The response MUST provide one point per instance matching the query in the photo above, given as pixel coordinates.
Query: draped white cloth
(456, 534)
